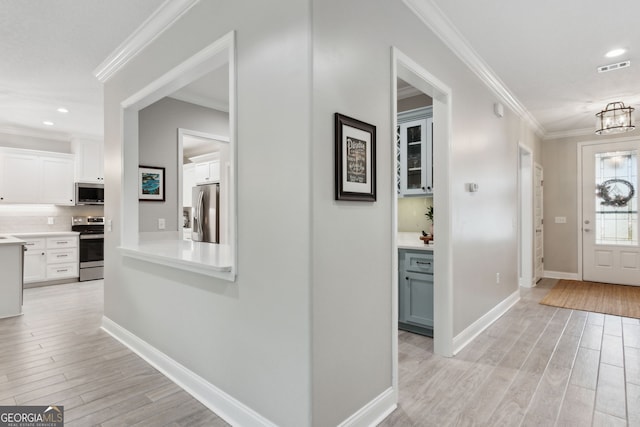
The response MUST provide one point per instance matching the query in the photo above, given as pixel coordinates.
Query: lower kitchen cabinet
(35, 260)
(415, 291)
(50, 258)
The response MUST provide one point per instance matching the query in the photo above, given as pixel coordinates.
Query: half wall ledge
(198, 257)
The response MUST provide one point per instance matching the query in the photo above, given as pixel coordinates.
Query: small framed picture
(355, 159)
(151, 183)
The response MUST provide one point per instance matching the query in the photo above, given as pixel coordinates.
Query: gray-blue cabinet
(415, 291)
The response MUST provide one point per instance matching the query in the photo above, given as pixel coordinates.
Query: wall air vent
(616, 66)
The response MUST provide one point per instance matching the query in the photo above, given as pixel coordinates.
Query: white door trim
(526, 224)
(409, 71)
(579, 188)
(537, 166)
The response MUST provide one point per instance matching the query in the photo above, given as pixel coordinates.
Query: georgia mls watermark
(31, 416)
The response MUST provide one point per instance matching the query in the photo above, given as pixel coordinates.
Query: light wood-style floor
(536, 366)
(56, 354)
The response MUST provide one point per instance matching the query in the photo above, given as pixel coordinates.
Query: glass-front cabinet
(415, 152)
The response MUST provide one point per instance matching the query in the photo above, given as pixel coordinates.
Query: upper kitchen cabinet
(208, 171)
(415, 148)
(28, 176)
(89, 160)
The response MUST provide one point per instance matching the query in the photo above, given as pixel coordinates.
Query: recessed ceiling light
(47, 123)
(62, 110)
(615, 52)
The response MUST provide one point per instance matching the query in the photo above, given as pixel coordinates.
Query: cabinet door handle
(406, 278)
(423, 263)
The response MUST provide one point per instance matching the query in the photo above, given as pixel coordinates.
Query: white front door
(539, 223)
(610, 251)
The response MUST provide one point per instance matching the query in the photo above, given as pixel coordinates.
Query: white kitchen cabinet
(89, 160)
(57, 185)
(35, 260)
(207, 172)
(11, 283)
(28, 176)
(188, 182)
(415, 148)
(50, 258)
(20, 177)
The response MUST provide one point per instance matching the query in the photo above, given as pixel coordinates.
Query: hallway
(536, 366)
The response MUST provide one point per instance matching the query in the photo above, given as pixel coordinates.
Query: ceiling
(545, 53)
(50, 49)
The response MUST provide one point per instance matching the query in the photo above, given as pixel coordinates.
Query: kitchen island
(11, 261)
(415, 284)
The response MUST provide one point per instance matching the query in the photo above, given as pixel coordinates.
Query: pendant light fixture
(615, 118)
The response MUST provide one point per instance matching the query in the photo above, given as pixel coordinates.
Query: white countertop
(411, 240)
(198, 257)
(47, 234)
(6, 239)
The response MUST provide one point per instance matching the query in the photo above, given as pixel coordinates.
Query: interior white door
(610, 251)
(538, 181)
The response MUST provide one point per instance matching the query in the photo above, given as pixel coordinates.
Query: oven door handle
(91, 236)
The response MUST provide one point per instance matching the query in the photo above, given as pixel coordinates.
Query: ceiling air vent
(617, 66)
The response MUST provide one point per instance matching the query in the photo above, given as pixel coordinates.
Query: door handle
(587, 230)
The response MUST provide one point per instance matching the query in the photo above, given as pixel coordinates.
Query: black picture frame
(355, 159)
(151, 184)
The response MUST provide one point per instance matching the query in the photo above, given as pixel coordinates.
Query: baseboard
(226, 407)
(461, 340)
(374, 412)
(560, 275)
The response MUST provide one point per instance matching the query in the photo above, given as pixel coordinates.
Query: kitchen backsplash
(34, 218)
(411, 213)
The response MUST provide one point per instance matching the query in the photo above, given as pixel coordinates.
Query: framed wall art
(151, 183)
(355, 159)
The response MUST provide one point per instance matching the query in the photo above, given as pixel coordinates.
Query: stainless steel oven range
(91, 229)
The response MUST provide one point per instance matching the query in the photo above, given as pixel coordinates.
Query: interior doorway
(405, 69)
(538, 182)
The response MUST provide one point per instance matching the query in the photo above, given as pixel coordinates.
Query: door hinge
(542, 260)
(542, 221)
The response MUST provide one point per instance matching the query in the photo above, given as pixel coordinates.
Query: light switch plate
(561, 220)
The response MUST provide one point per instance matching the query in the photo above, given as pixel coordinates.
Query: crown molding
(569, 133)
(408, 92)
(439, 23)
(35, 133)
(202, 101)
(156, 24)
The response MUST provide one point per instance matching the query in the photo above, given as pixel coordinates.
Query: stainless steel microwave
(88, 193)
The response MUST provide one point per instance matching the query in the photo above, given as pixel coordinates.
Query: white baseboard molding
(560, 275)
(374, 412)
(226, 407)
(461, 340)
(531, 283)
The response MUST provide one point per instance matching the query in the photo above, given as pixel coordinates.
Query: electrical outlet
(161, 224)
(109, 225)
(51, 220)
(497, 278)
(561, 220)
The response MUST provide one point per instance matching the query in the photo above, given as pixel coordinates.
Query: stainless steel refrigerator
(206, 221)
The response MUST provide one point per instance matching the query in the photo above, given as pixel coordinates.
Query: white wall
(352, 241)
(158, 130)
(250, 338)
(561, 199)
(304, 335)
